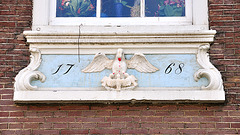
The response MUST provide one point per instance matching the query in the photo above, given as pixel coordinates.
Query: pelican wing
(141, 64)
(99, 63)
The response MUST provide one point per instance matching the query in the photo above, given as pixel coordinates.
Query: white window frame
(186, 20)
(44, 19)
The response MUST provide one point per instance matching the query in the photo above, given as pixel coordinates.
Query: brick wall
(15, 17)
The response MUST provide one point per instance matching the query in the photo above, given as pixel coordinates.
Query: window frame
(98, 21)
(42, 20)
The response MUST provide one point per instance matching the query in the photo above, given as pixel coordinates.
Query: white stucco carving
(119, 79)
(208, 71)
(25, 76)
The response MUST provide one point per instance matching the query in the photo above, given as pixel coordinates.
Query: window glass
(120, 8)
(76, 8)
(164, 8)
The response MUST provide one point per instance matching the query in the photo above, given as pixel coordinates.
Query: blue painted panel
(181, 74)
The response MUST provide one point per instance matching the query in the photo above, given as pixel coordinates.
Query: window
(121, 12)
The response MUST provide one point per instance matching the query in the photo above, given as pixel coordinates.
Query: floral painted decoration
(76, 8)
(165, 8)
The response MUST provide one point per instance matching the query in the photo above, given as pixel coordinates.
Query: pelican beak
(119, 54)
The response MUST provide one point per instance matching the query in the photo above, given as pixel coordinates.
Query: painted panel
(175, 70)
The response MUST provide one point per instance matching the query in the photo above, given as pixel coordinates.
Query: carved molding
(209, 71)
(26, 75)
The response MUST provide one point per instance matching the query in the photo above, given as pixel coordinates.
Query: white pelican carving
(119, 79)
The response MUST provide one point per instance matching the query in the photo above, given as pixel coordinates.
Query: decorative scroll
(208, 71)
(25, 76)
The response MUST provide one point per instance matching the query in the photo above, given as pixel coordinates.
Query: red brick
(216, 18)
(15, 126)
(30, 120)
(7, 120)
(3, 126)
(104, 107)
(7, 24)
(148, 113)
(118, 119)
(230, 119)
(4, 114)
(75, 125)
(31, 114)
(232, 12)
(45, 108)
(118, 125)
(164, 107)
(104, 125)
(207, 125)
(176, 125)
(103, 113)
(45, 125)
(163, 131)
(133, 113)
(126, 107)
(59, 119)
(13, 108)
(147, 125)
(35, 131)
(215, 1)
(191, 113)
(232, 57)
(206, 113)
(162, 113)
(176, 113)
(192, 131)
(17, 132)
(74, 107)
(192, 107)
(45, 114)
(206, 119)
(75, 113)
(88, 113)
(31, 125)
(89, 125)
(134, 131)
(235, 125)
(191, 125)
(221, 6)
(222, 131)
(60, 125)
(90, 119)
(133, 125)
(151, 119)
(118, 113)
(222, 125)
(16, 114)
(212, 12)
(221, 113)
(60, 114)
(176, 119)
(77, 131)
